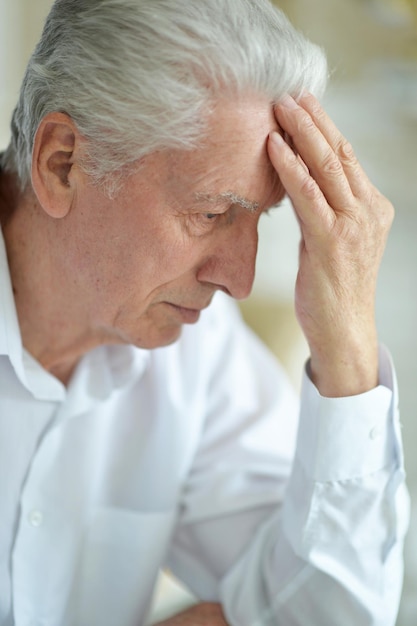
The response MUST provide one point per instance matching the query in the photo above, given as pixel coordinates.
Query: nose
(231, 266)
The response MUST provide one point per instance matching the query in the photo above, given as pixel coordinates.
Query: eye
(204, 223)
(210, 218)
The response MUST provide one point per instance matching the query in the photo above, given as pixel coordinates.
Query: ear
(54, 172)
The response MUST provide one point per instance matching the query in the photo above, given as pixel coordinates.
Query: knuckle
(387, 214)
(305, 124)
(331, 165)
(311, 190)
(346, 152)
(383, 208)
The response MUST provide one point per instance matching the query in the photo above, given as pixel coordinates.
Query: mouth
(187, 316)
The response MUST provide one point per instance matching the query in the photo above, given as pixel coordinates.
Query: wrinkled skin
(344, 224)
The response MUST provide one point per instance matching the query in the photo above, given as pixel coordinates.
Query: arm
(278, 550)
(334, 536)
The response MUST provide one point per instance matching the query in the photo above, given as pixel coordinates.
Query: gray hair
(137, 76)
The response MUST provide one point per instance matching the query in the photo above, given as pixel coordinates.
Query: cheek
(162, 258)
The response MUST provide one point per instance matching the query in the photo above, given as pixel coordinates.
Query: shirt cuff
(346, 438)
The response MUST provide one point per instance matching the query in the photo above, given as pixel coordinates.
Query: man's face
(183, 226)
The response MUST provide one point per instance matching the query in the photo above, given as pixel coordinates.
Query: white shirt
(187, 456)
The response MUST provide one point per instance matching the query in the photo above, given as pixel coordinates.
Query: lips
(187, 315)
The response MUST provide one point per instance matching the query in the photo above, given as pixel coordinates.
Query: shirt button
(376, 432)
(35, 518)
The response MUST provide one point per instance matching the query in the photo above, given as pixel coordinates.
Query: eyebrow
(229, 196)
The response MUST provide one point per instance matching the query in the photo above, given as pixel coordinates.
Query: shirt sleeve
(292, 523)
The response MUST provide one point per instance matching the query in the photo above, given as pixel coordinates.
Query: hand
(204, 614)
(344, 224)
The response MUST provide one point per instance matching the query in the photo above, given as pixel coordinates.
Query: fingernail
(276, 138)
(288, 102)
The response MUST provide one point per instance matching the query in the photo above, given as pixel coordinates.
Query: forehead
(231, 160)
(239, 119)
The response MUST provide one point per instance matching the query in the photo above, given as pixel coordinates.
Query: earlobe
(53, 159)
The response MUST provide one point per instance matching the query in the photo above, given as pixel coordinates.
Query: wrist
(346, 368)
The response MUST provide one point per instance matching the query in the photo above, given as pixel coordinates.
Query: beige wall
(20, 24)
(353, 33)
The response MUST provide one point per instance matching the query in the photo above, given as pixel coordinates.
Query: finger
(310, 204)
(358, 180)
(316, 152)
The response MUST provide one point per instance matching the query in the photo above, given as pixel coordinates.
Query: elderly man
(149, 138)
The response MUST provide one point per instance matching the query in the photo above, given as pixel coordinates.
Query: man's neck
(49, 317)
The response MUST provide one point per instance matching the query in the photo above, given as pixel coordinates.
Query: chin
(159, 338)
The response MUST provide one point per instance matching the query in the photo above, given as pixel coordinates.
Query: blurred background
(372, 51)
